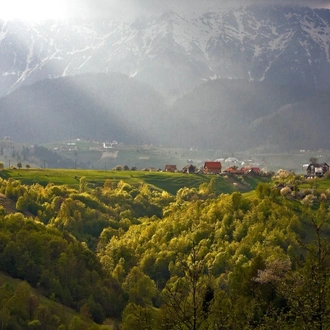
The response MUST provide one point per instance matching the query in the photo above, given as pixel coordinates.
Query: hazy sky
(127, 8)
(102, 6)
(44, 9)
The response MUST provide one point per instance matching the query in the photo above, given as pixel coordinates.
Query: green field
(170, 182)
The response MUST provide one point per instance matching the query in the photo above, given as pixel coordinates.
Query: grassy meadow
(170, 182)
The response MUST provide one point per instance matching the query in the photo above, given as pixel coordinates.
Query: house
(251, 170)
(170, 168)
(189, 169)
(246, 169)
(255, 170)
(212, 167)
(317, 169)
(234, 170)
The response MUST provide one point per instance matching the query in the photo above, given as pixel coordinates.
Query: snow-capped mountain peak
(174, 52)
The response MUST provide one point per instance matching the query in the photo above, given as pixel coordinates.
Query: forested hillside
(152, 260)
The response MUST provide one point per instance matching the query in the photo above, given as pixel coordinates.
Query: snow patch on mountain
(173, 52)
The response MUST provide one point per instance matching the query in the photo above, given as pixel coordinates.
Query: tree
(139, 318)
(23, 304)
(187, 299)
(140, 288)
(2, 166)
(35, 324)
(77, 324)
(95, 310)
(306, 288)
(82, 184)
(22, 203)
(19, 165)
(313, 160)
(311, 290)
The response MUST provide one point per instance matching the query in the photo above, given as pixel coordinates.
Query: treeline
(38, 155)
(190, 261)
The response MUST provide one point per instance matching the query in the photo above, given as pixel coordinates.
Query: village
(220, 166)
(113, 155)
(313, 170)
(214, 167)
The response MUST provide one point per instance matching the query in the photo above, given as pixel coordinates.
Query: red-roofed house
(234, 170)
(212, 167)
(254, 170)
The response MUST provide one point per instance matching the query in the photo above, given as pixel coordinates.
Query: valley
(164, 165)
(82, 154)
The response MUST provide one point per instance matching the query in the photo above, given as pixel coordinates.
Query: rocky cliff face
(173, 53)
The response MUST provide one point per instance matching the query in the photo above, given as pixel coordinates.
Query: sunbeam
(33, 10)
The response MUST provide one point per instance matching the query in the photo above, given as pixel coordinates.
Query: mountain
(299, 125)
(254, 77)
(228, 115)
(90, 106)
(174, 53)
(234, 115)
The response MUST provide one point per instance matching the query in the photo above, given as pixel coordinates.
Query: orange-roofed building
(234, 170)
(254, 170)
(212, 167)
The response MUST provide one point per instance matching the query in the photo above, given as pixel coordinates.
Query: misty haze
(193, 75)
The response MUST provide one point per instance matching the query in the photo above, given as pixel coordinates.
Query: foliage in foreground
(190, 261)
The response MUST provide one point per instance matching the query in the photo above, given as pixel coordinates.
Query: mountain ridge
(174, 53)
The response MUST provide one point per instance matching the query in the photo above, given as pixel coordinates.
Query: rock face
(174, 53)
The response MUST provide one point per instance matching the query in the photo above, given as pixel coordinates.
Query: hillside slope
(226, 115)
(94, 107)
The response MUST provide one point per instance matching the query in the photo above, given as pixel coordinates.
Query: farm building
(243, 170)
(254, 170)
(234, 170)
(170, 168)
(317, 169)
(189, 169)
(212, 167)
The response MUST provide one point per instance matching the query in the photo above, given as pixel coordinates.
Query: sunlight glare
(33, 10)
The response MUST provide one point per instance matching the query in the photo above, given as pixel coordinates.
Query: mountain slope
(299, 125)
(94, 106)
(173, 53)
(236, 115)
(228, 115)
